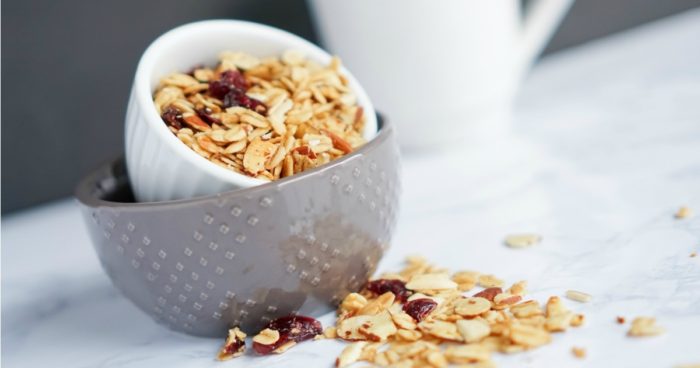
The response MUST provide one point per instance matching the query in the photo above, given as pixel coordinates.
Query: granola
(683, 213)
(645, 326)
(420, 317)
(266, 118)
(459, 329)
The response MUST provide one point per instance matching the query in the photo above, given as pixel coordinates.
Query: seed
(522, 240)
(578, 296)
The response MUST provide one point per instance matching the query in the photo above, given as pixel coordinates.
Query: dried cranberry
(229, 80)
(419, 308)
(237, 98)
(234, 347)
(218, 89)
(291, 328)
(235, 79)
(172, 117)
(397, 287)
(231, 87)
(205, 114)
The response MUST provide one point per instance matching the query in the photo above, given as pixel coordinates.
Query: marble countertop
(605, 147)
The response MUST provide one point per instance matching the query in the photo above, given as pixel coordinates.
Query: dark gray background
(67, 67)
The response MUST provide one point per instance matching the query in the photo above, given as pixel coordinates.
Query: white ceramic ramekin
(160, 166)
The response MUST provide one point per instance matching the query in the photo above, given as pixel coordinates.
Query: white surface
(160, 166)
(606, 148)
(475, 52)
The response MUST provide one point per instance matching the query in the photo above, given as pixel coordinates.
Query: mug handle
(541, 20)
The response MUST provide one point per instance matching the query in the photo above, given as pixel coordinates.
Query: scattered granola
(578, 296)
(683, 213)
(645, 326)
(234, 346)
(266, 118)
(283, 333)
(578, 352)
(522, 240)
(420, 317)
(620, 320)
(438, 325)
(693, 254)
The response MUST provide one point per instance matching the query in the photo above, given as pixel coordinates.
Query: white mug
(444, 71)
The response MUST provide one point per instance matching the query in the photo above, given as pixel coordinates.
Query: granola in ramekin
(267, 118)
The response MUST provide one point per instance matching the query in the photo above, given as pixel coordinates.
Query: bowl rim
(144, 94)
(87, 194)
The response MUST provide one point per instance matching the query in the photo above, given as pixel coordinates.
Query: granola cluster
(266, 118)
(422, 317)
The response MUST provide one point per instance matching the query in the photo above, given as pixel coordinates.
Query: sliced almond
(195, 122)
(518, 288)
(431, 281)
(436, 359)
(352, 303)
(489, 281)
(350, 354)
(441, 329)
(403, 320)
(408, 335)
(555, 306)
(506, 299)
(257, 154)
(239, 60)
(473, 330)
(379, 327)
(277, 114)
(522, 240)
(235, 147)
(645, 326)
(467, 353)
(349, 328)
(489, 293)
(526, 309)
(559, 322)
(380, 304)
(528, 336)
(472, 306)
(267, 337)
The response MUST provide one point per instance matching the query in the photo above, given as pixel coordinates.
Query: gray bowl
(244, 257)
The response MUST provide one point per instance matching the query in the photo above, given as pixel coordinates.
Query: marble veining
(604, 147)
